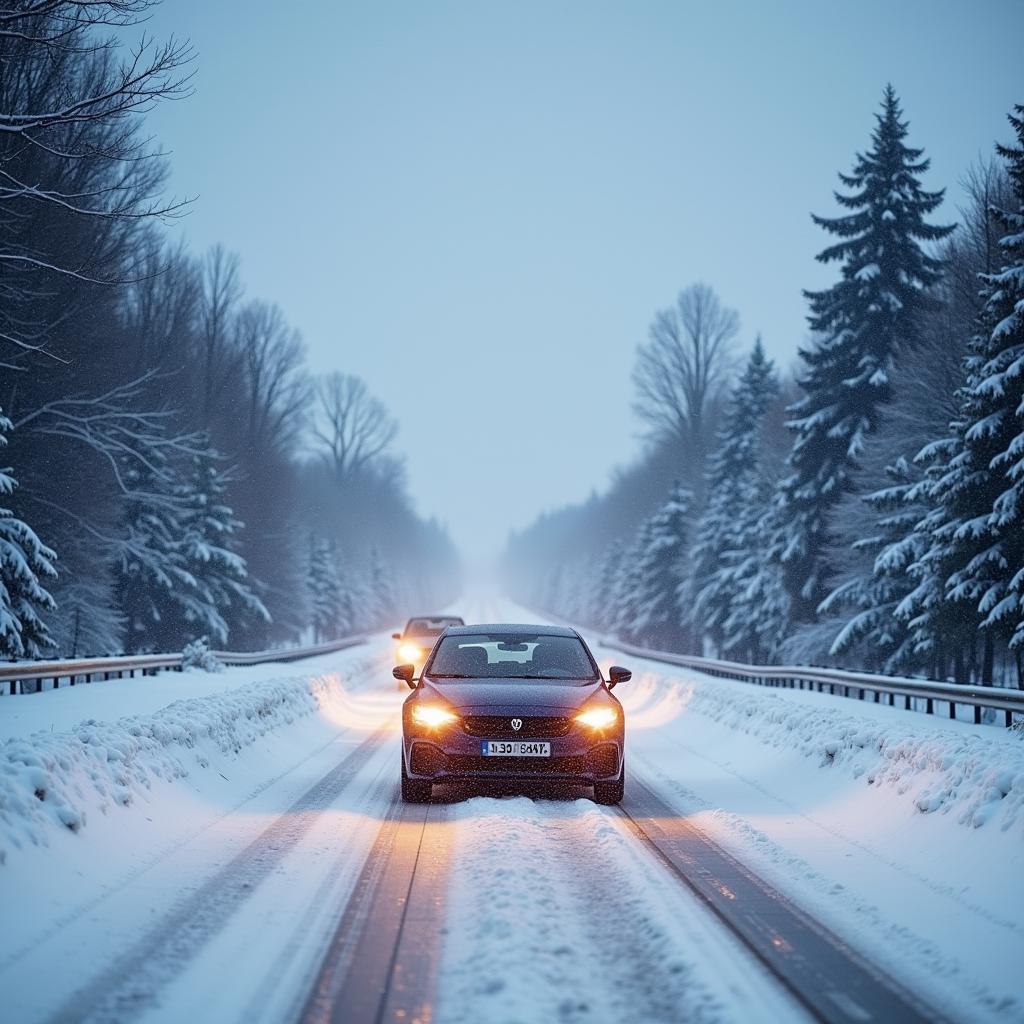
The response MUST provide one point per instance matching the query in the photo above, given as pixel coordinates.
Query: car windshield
(430, 627)
(512, 656)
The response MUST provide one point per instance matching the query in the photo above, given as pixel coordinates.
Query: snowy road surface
(233, 850)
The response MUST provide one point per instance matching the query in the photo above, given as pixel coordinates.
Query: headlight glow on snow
(598, 718)
(432, 717)
(409, 653)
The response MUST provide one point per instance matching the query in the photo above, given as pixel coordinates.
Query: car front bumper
(454, 756)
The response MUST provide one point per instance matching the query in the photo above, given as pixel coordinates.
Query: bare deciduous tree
(353, 428)
(71, 150)
(276, 386)
(219, 353)
(680, 371)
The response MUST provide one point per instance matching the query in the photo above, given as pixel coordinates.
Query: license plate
(514, 748)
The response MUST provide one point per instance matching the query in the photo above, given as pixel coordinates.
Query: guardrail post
(977, 714)
(929, 706)
(952, 709)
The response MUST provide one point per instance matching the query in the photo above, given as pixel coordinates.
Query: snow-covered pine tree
(758, 615)
(897, 545)
(381, 588)
(858, 323)
(24, 560)
(150, 577)
(326, 597)
(88, 621)
(222, 591)
(628, 600)
(351, 594)
(658, 621)
(736, 491)
(977, 523)
(602, 602)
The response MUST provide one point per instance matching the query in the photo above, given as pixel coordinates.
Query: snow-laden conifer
(658, 621)
(858, 324)
(327, 598)
(222, 590)
(24, 562)
(975, 561)
(737, 495)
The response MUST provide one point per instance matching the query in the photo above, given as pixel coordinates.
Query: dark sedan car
(501, 702)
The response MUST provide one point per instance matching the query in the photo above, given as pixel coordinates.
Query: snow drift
(55, 780)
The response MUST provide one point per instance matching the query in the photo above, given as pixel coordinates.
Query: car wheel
(611, 792)
(415, 791)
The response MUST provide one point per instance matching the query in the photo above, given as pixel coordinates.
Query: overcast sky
(478, 207)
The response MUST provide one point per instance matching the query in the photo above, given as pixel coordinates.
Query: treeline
(176, 472)
(869, 513)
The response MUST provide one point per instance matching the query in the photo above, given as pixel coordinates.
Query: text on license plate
(514, 748)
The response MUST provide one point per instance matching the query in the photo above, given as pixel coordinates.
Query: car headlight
(432, 716)
(410, 653)
(598, 718)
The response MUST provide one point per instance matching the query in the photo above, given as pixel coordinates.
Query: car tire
(611, 792)
(415, 791)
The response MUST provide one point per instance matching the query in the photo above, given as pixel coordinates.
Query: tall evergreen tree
(976, 559)
(659, 621)
(758, 613)
(876, 600)
(383, 599)
(154, 589)
(607, 581)
(629, 594)
(736, 488)
(24, 560)
(326, 596)
(222, 590)
(858, 324)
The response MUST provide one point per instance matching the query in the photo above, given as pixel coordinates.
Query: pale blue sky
(478, 207)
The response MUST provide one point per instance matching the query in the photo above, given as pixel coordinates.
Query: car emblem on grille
(517, 724)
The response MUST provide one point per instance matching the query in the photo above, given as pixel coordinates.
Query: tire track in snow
(834, 983)
(558, 914)
(131, 983)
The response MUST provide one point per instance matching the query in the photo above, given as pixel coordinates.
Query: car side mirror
(396, 636)
(617, 674)
(406, 672)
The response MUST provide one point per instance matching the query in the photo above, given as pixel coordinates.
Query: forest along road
(320, 897)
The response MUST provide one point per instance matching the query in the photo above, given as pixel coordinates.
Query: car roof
(511, 627)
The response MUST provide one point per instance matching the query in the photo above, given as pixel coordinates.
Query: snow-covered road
(194, 861)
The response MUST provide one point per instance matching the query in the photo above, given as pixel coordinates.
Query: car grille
(500, 726)
(516, 766)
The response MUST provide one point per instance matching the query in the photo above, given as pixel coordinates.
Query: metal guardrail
(13, 677)
(928, 693)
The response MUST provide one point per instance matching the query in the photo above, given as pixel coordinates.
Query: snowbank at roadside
(57, 780)
(973, 773)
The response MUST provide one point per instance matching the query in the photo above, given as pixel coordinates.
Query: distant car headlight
(432, 716)
(598, 718)
(409, 654)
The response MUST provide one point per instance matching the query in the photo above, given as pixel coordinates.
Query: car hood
(516, 694)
